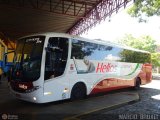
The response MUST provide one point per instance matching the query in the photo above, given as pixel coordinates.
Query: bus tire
(137, 84)
(78, 91)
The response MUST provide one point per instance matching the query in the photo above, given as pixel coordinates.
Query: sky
(121, 24)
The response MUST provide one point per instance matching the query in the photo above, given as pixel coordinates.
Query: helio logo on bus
(107, 67)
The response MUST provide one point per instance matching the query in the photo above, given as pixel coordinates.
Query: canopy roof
(23, 17)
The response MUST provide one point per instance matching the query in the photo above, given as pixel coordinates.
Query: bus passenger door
(55, 65)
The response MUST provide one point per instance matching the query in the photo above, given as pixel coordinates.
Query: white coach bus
(53, 66)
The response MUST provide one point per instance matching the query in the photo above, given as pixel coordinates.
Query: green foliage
(143, 8)
(143, 43)
(156, 59)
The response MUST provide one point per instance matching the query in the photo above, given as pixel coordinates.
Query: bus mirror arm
(5, 57)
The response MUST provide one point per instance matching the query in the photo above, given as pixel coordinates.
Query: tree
(156, 59)
(143, 43)
(143, 8)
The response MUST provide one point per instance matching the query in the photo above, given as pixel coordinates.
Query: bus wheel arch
(79, 91)
(137, 83)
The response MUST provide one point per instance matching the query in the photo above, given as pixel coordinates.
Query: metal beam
(104, 9)
(6, 40)
(62, 7)
(87, 13)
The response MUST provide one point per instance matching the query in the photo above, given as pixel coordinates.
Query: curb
(107, 108)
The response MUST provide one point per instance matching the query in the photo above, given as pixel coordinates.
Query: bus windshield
(27, 61)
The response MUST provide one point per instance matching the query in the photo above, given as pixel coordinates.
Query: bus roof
(97, 41)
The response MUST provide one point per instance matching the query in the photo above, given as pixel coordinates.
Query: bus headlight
(34, 98)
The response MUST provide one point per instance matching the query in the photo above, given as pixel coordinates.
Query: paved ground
(60, 110)
(148, 108)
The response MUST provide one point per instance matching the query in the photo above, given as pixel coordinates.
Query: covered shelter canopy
(23, 17)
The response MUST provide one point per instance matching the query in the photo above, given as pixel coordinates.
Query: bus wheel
(78, 91)
(137, 84)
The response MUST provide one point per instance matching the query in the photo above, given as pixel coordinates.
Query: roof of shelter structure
(22, 17)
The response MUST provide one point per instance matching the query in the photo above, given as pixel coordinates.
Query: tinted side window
(77, 49)
(93, 51)
(110, 53)
(135, 56)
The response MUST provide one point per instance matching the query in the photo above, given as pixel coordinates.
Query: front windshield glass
(28, 56)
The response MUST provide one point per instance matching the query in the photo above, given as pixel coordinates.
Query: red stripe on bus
(111, 84)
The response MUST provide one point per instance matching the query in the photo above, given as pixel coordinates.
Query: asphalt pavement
(146, 107)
